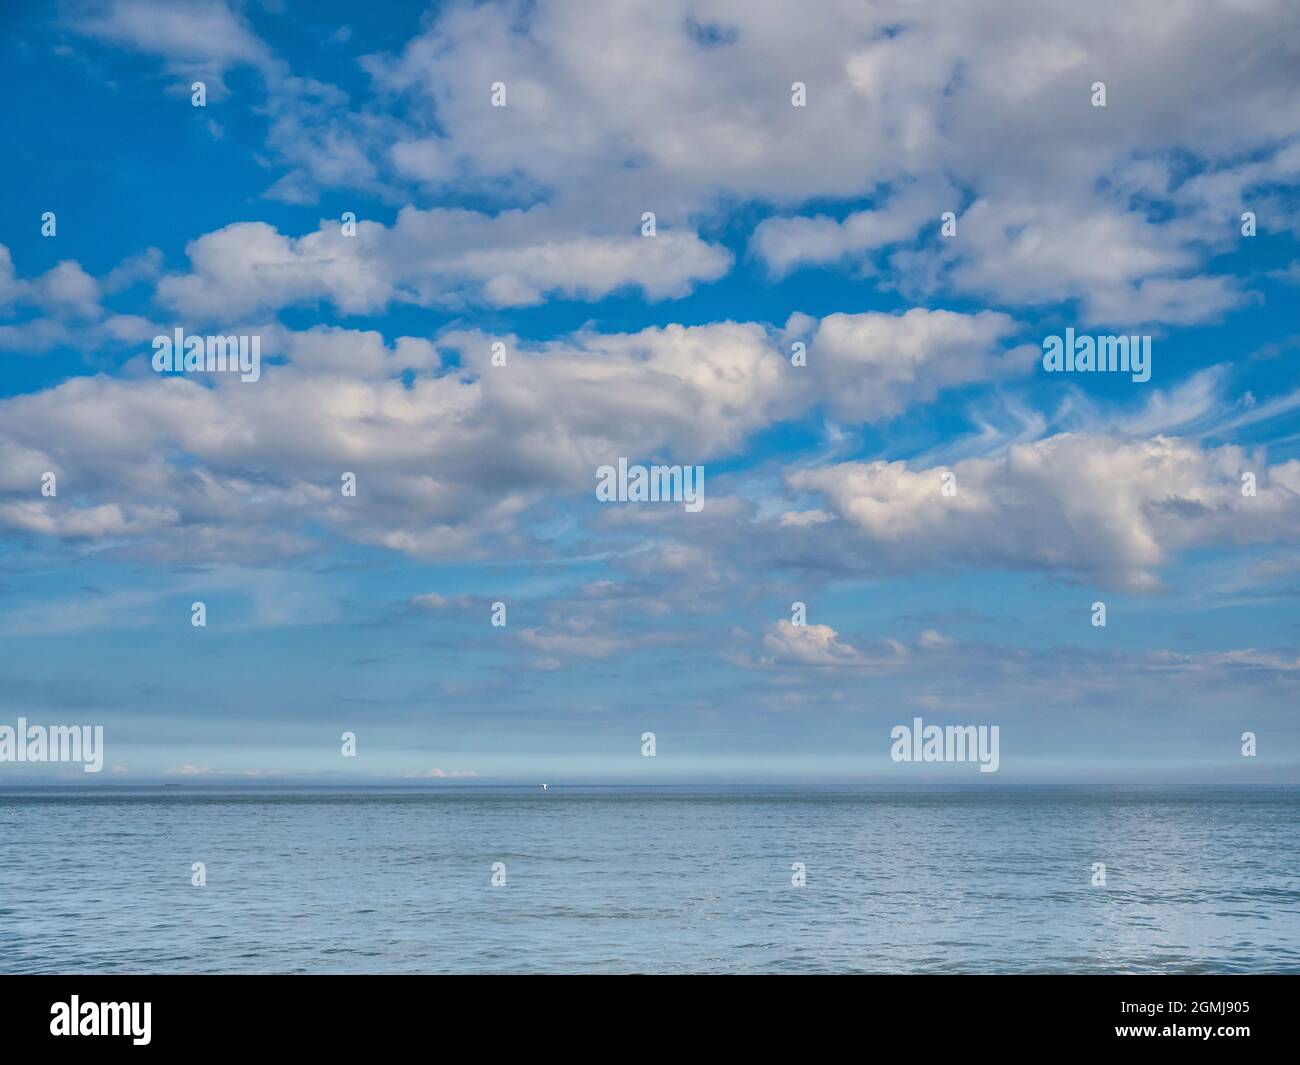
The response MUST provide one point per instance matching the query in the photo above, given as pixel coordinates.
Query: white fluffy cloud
(785, 243)
(67, 304)
(1085, 506)
(435, 257)
(454, 455)
(196, 38)
(981, 110)
(874, 365)
(820, 645)
(928, 109)
(925, 109)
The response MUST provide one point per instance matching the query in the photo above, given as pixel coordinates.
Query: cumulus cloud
(792, 647)
(270, 456)
(984, 113)
(683, 107)
(978, 108)
(1085, 506)
(820, 645)
(437, 257)
(63, 292)
(67, 304)
(1042, 687)
(784, 243)
(89, 522)
(874, 365)
(154, 451)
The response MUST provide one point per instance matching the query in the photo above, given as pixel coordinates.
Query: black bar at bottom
(336, 1014)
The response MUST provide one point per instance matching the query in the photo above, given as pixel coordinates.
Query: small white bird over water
(545, 786)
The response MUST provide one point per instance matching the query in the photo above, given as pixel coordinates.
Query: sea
(586, 879)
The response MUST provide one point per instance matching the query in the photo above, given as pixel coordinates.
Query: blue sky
(774, 224)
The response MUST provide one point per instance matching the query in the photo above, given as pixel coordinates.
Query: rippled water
(641, 879)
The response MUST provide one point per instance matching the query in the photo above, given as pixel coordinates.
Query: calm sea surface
(650, 879)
